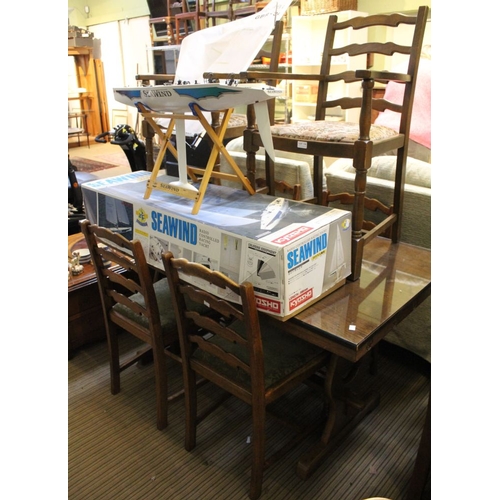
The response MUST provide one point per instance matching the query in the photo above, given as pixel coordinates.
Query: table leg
(345, 412)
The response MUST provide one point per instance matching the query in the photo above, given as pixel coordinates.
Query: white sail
(229, 47)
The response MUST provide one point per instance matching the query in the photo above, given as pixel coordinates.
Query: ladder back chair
(244, 355)
(361, 141)
(131, 302)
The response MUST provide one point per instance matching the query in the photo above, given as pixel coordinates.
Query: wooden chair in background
(189, 20)
(213, 14)
(133, 303)
(243, 8)
(242, 354)
(79, 128)
(360, 141)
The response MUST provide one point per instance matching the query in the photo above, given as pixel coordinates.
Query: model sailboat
(225, 48)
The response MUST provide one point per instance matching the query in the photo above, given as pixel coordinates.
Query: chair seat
(237, 120)
(167, 314)
(283, 354)
(329, 131)
(75, 130)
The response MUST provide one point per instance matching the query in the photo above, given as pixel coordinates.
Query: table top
(395, 279)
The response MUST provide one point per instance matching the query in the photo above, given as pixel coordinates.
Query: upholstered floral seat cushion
(329, 131)
(237, 120)
(283, 354)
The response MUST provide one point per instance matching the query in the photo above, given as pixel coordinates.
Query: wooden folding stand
(178, 189)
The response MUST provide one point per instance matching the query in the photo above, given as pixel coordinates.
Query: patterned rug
(102, 162)
(88, 165)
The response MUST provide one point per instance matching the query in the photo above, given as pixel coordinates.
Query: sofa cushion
(418, 172)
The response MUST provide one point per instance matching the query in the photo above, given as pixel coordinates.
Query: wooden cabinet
(89, 94)
(85, 316)
(308, 38)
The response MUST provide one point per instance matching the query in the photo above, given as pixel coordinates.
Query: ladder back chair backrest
(133, 303)
(240, 352)
(345, 84)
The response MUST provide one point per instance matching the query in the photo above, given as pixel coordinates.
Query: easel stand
(182, 187)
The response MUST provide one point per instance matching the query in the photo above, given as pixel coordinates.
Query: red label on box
(265, 304)
(292, 235)
(300, 299)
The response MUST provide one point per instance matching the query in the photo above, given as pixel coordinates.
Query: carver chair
(243, 354)
(326, 137)
(131, 302)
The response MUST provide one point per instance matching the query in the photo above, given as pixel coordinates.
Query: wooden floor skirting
(116, 452)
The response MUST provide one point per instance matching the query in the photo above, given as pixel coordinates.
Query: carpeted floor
(116, 452)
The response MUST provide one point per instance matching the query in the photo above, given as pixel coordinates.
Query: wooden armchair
(361, 141)
(243, 354)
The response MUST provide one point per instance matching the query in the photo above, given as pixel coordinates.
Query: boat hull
(207, 96)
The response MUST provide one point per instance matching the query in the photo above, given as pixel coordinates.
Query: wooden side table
(85, 318)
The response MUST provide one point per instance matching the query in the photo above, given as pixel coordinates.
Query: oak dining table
(350, 322)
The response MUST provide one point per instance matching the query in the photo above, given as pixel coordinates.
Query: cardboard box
(293, 253)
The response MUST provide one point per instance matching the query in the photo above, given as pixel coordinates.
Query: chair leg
(399, 194)
(190, 399)
(258, 450)
(161, 382)
(114, 358)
